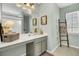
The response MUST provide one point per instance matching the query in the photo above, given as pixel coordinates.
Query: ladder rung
(63, 40)
(63, 35)
(62, 22)
(62, 26)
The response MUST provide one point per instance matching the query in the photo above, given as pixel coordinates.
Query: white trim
(58, 46)
(72, 46)
(53, 49)
(23, 54)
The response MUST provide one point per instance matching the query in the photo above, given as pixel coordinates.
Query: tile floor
(65, 51)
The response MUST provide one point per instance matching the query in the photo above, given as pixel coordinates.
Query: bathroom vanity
(37, 47)
(18, 21)
(26, 45)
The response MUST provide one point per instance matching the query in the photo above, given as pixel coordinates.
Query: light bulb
(19, 5)
(29, 10)
(24, 7)
(33, 7)
(28, 4)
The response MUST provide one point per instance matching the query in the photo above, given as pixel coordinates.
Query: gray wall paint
(52, 12)
(71, 8)
(35, 14)
(73, 38)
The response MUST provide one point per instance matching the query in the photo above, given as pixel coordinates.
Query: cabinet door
(44, 45)
(29, 49)
(37, 48)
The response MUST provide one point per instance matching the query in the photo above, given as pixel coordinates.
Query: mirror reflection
(13, 18)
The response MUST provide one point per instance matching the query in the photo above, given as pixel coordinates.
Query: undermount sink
(9, 37)
(31, 34)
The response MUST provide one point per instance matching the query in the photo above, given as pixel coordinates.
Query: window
(73, 22)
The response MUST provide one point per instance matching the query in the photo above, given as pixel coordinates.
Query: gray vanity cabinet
(40, 46)
(37, 47)
(44, 45)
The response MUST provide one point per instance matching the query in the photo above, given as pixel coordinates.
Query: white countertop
(22, 38)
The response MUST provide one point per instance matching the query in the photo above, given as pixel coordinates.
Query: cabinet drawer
(44, 38)
(40, 39)
(37, 40)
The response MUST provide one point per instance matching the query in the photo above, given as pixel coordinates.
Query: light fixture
(19, 5)
(33, 7)
(26, 6)
(29, 11)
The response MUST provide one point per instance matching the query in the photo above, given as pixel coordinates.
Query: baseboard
(72, 46)
(49, 52)
(53, 49)
(23, 54)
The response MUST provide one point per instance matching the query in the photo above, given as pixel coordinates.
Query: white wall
(52, 12)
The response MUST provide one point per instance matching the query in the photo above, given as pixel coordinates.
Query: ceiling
(61, 5)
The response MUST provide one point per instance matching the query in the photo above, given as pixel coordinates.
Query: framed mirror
(34, 21)
(44, 20)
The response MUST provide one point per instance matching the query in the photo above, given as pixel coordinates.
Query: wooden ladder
(63, 32)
